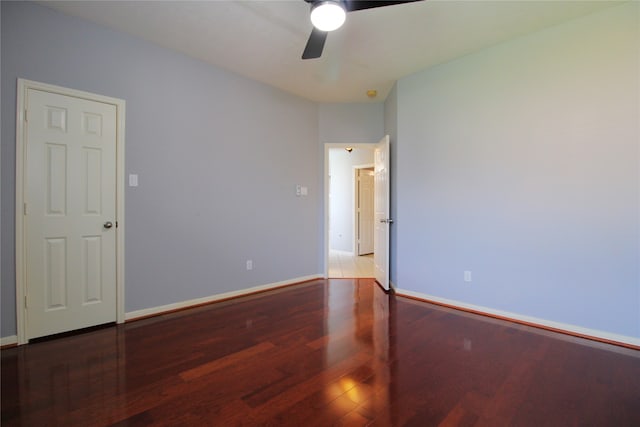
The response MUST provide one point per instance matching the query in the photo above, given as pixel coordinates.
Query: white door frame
(23, 87)
(327, 147)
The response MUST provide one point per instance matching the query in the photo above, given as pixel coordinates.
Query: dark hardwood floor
(336, 352)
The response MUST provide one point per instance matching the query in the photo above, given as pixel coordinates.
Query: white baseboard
(534, 321)
(11, 339)
(212, 298)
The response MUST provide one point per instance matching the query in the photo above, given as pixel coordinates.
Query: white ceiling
(263, 40)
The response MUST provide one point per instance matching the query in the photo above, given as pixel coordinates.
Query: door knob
(108, 224)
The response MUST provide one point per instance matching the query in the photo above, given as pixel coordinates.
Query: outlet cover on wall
(301, 190)
(249, 264)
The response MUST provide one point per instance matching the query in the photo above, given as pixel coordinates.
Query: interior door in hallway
(69, 213)
(365, 212)
(381, 213)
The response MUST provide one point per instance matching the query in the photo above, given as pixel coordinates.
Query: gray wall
(218, 158)
(520, 163)
(351, 123)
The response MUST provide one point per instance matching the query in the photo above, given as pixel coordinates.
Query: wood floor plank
(241, 356)
(328, 352)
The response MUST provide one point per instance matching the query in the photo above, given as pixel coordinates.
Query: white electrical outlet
(249, 264)
(467, 276)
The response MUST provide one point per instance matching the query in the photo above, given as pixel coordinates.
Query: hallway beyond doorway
(347, 265)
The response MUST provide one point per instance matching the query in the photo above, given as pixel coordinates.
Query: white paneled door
(69, 213)
(365, 211)
(381, 213)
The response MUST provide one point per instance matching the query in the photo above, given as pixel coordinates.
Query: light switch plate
(133, 180)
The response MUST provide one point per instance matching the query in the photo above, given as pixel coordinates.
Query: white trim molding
(520, 318)
(23, 87)
(10, 340)
(154, 311)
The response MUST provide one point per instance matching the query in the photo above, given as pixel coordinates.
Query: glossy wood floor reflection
(337, 352)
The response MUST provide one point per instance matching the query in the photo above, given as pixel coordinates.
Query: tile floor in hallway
(347, 265)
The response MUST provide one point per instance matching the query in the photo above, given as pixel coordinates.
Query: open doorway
(350, 210)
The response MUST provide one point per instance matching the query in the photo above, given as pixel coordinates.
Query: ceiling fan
(329, 15)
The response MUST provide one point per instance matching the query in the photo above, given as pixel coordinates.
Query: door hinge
(116, 224)
(25, 209)
(26, 115)
(25, 302)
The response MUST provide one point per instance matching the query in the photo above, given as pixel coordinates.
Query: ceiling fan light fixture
(327, 15)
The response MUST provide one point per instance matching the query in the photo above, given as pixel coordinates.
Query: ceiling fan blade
(353, 5)
(315, 44)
